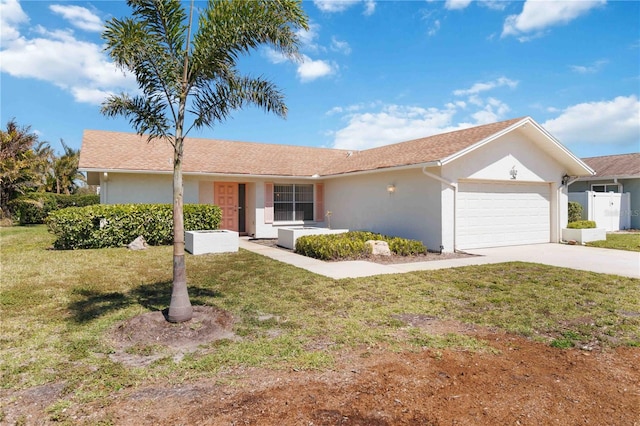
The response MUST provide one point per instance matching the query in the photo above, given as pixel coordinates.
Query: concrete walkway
(619, 262)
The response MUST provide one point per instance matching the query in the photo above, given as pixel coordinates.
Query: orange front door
(226, 196)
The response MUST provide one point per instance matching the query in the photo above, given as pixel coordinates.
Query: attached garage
(492, 214)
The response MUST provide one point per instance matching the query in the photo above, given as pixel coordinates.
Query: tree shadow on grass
(155, 297)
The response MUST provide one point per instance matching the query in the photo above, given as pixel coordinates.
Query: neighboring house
(492, 185)
(614, 198)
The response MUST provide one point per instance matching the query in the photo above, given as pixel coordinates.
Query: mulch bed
(386, 260)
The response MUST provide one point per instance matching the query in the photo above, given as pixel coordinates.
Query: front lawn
(627, 241)
(58, 307)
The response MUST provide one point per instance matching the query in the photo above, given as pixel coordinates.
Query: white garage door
(502, 214)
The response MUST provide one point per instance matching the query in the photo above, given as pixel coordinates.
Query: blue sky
(374, 72)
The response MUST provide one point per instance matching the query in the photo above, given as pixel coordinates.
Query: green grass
(629, 241)
(58, 306)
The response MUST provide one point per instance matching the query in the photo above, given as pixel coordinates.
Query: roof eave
(383, 169)
(209, 174)
(603, 177)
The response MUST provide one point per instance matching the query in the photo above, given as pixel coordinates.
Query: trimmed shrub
(581, 224)
(351, 245)
(115, 225)
(575, 211)
(33, 208)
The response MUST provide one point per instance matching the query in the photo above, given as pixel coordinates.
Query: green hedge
(351, 245)
(116, 225)
(33, 208)
(575, 211)
(581, 224)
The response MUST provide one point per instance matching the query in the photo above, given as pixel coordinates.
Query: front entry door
(226, 196)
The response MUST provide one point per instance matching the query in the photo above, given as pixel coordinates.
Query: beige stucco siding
(124, 188)
(362, 202)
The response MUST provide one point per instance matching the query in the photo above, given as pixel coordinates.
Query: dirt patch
(519, 382)
(385, 260)
(145, 338)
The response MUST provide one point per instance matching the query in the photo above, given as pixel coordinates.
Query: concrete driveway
(625, 263)
(606, 261)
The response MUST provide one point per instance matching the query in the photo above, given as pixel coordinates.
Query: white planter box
(215, 241)
(584, 235)
(287, 236)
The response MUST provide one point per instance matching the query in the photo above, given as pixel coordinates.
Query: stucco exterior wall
(362, 202)
(125, 188)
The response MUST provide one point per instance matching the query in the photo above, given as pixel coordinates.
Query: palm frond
(145, 113)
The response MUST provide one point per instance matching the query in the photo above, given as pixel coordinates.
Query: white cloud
(308, 37)
(369, 7)
(456, 4)
(334, 6)
(375, 124)
(77, 66)
(589, 69)
(274, 56)
(494, 110)
(612, 122)
(11, 16)
(538, 15)
(494, 4)
(89, 95)
(310, 69)
(353, 108)
(394, 123)
(340, 46)
(489, 85)
(435, 27)
(79, 17)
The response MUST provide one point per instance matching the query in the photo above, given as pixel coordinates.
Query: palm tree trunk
(180, 309)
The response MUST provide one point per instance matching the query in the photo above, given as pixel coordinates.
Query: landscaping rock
(138, 244)
(379, 248)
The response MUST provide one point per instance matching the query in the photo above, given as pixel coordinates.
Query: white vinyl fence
(606, 209)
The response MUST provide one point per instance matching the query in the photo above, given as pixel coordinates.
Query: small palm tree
(180, 75)
(19, 163)
(65, 171)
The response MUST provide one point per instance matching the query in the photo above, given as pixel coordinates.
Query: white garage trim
(494, 214)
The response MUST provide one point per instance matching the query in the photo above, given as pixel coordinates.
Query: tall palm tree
(180, 74)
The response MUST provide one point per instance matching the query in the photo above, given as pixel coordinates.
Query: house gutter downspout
(455, 197)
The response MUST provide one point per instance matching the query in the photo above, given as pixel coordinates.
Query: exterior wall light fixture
(391, 188)
(565, 179)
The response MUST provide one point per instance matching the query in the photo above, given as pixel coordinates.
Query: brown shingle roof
(128, 152)
(615, 165)
(103, 150)
(417, 151)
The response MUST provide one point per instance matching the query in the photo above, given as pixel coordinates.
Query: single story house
(613, 200)
(492, 185)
